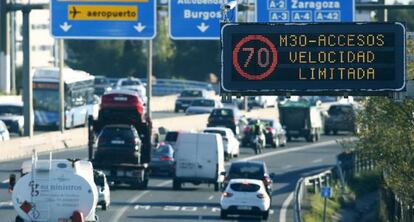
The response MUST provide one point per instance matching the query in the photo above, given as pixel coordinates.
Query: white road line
(6, 204)
(287, 167)
(5, 181)
(318, 160)
(122, 211)
(285, 205)
(211, 197)
(118, 215)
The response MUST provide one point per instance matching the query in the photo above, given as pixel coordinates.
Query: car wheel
(327, 131)
(176, 185)
(276, 144)
(265, 215)
(335, 132)
(217, 186)
(223, 214)
(176, 110)
(104, 206)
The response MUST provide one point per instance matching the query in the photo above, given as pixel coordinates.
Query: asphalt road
(193, 203)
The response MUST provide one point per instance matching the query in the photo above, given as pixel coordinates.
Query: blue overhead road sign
(305, 11)
(197, 19)
(103, 19)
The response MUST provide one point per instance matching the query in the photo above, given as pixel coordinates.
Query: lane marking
(123, 210)
(318, 160)
(287, 167)
(6, 204)
(5, 181)
(211, 197)
(285, 205)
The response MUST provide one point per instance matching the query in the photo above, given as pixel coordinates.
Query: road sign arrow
(139, 27)
(203, 27)
(65, 27)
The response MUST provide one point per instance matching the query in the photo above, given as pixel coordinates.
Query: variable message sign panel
(103, 19)
(329, 57)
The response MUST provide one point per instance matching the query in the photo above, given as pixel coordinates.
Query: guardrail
(316, 181)
(164, 87)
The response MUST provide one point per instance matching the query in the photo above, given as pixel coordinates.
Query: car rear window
(222, 133)
(244, 187)
(248, 171)
(203, 102)
(171, 137)
(340, 110)
(130, 83)
(163, 149)
(222, 112)
(191, 93)
(13, 110)
(116, 136)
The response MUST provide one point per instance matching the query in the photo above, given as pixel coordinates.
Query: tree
(197, 59)
(387, 136)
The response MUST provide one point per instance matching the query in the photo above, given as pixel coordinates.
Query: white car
(203, 106)
(133, 84)
(4, 132)
(104, 195)
(231, 144)
(245, 197)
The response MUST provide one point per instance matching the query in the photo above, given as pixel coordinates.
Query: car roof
(122, 91)
(20, 103)
(217, 128)
(251, 181)
(118, 126)
(252, 162)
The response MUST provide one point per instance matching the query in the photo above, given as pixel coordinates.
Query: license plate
(120, 98)
(244, 208)
(118, 142)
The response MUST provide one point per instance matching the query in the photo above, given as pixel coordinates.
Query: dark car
(187, 96)
(341, 117)
(12, 115)
(162, 159)
(102, 85)
(227, 117)
(118, 144)
(249, 170)
(275, 134)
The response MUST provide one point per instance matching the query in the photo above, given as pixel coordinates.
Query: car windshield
(46, 100)
(222, 133)
(244, 187)
(191, 93)
(340, 110)
(9, 109)
(203, 102)
(130, 82)
(247, 171)
(222, 112)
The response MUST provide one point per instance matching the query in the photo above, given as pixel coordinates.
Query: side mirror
(223, 173)
(12, 181)
(272, 176)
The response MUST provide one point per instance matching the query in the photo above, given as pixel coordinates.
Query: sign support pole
(149, 79)
(61, 86)
(324, 209)
(27, 77)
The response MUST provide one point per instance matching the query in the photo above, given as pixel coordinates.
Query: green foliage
(316, 204)
(164, 51)
(364, 183)
(387, 136)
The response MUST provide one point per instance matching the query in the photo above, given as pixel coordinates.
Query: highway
(193, 203)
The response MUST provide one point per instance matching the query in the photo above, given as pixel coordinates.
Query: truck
(55, 190)
(122, 108)
(301, 119)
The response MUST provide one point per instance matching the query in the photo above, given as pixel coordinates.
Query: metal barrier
(316, 181)
(164, 87)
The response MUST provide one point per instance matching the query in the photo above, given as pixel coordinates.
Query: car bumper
(242, 210)
(161, 167)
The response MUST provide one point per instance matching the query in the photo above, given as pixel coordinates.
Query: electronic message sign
(324, 58)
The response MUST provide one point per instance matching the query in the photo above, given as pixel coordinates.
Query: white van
(199, 159)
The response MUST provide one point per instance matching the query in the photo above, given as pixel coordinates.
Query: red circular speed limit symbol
(263, 57)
